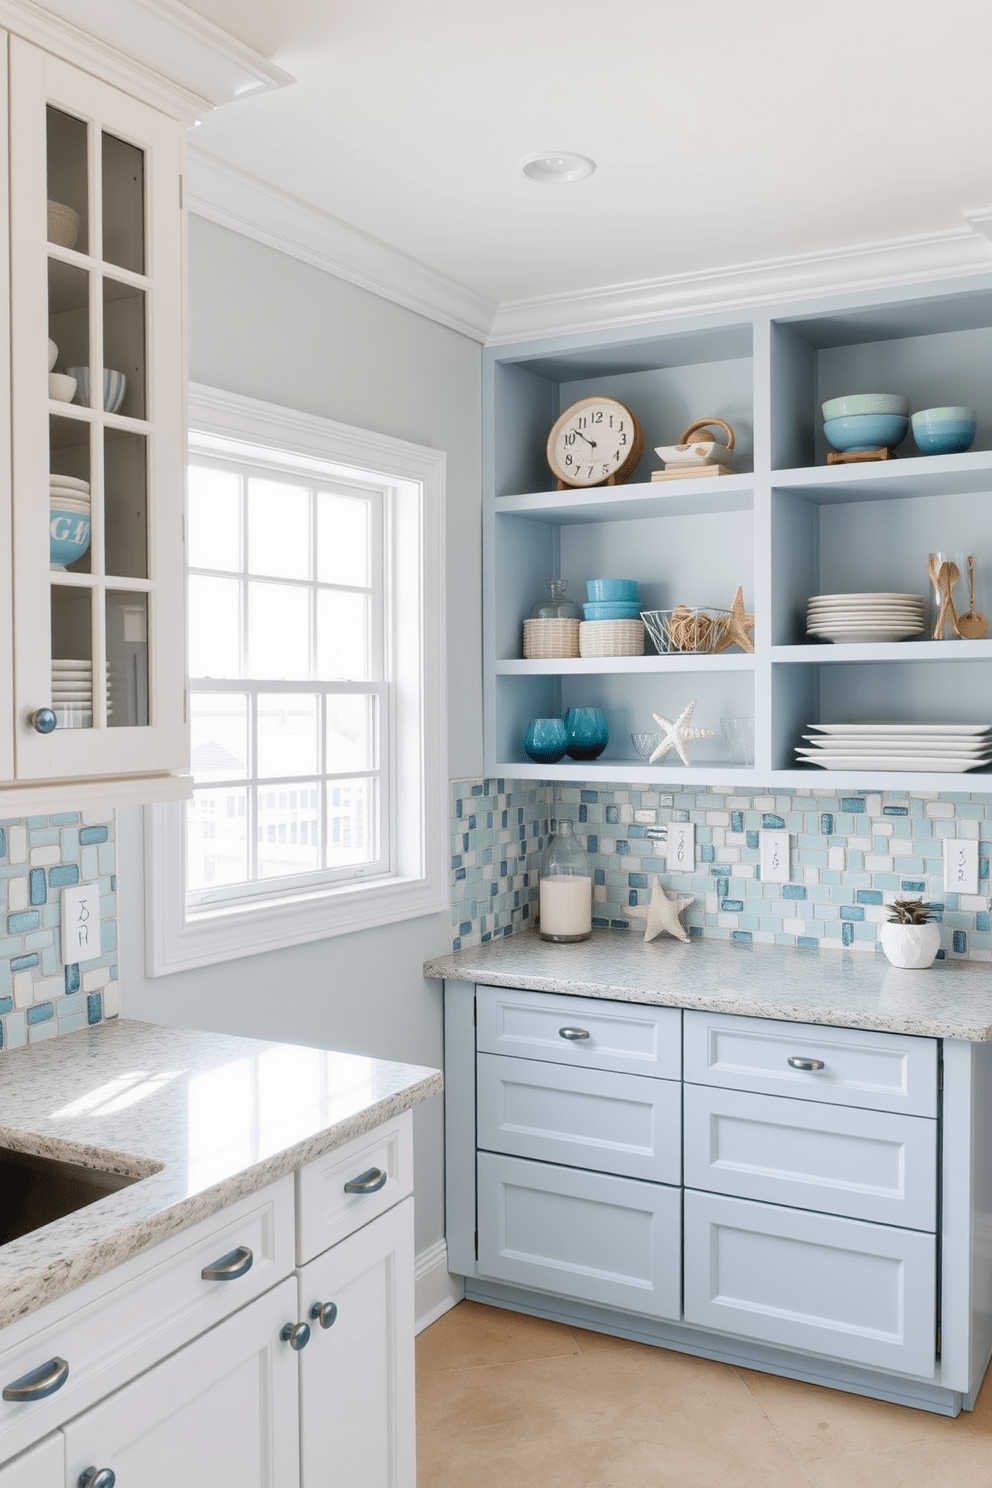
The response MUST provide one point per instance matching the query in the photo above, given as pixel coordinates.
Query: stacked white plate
(72, 692)
(944, 748)
(865, 617)
(69, 493)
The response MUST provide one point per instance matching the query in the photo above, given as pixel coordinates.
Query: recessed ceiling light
(558, 167)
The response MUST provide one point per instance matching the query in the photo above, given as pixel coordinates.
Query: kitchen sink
(35, 1190)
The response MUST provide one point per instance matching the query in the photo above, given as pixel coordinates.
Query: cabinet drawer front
(882, 1071)
(326, 1212)
(587, 1235)
(588, 1118)
(860, 1292)
(623, 1036)
(162, 1302)
(863, 1164)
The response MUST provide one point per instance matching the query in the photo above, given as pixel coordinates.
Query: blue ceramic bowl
(545, 740)
(859, 403)
(612, 591)
(627, 611)
(866, 431)
(945, 431)
(69, 536)
(114, 387)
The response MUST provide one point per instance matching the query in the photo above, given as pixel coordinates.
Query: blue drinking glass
(587, 733)
(545, 740)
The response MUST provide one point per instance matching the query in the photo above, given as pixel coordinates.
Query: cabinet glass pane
(288, 829)
(69, 453)
(123, 204)
(351, 822)
(352, 735)
(69, 498)
(214, 522)
(123, 349)
(219, 735)
(72, 657)
(278, 530)
(287, 734)
(214, 627)
(127, 658)
(343, 539)
(217, 837)
(67, 181)
(343, 638)
(69, 319)
(125, 504)
(278, 631)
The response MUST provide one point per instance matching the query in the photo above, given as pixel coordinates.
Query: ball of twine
(689, 630)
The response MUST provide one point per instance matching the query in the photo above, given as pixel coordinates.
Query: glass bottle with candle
(565, 888)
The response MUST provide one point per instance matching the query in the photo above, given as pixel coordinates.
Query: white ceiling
(725, 134)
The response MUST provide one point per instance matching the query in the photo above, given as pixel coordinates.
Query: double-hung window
(316, 688)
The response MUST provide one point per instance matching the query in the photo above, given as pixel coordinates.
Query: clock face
(595, 439)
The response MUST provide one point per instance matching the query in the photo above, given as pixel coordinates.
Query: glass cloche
(557, 606)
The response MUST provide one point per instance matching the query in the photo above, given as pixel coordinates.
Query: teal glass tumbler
(587, 733)
(545, 740)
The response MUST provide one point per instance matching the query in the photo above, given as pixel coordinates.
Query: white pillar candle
(566, 905)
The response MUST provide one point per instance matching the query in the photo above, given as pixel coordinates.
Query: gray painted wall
(266, 325)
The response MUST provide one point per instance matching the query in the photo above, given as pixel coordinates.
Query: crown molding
(170, 54)
(234, 199)
(865, 266)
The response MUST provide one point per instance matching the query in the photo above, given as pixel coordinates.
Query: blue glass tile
(26, 919)
(94, 1007)
(37, 888)
(465, 928)
(68, 873)
(695, 932)
(593, 844)
(722, 887)
(612, 815)
(895, 810)
(771, 821)
(983, 867)
(632, 898)
(827, 823)
(959, 942)
(707, 852)
(493, 890)
(583, 813)
(793, 891)
(868, 896)
(472, 823)
(732, 906)
(460, 875)
(737, 821)
(809, 941)
(847, 933)
(42, 1012)
(853, 804)
(753, 840)
(589, 796)
(456, 861)
(623, 847)
(599, 876)
(982, 920)
(487, 936)
(89, 835)
(637, 881)
(503, 868)
(599, 923)
(913, 886)
(3, 843)
(24, 963)
(477, 790)
(657, 834)
(680, 816)
(851, 912)
(619, 924)
(741, 937)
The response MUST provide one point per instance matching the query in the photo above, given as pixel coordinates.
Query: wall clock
(595, 442)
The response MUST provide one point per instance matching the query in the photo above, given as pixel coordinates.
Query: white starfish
(677, 734)
(663, 913)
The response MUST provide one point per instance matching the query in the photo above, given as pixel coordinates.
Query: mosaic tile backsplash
(850, 856)
(40, 997)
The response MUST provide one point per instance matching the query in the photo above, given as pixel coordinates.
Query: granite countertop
(204, 1118)
(952, 999)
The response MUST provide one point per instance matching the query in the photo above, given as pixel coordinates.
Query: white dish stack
(944, 748)
(865, 617)
(67, 493)
(72, 692)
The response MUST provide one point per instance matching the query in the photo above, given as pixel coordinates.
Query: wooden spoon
(933, 569)
(972, 624)
(949, 575)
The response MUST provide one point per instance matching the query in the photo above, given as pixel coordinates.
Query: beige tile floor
(507, 1401)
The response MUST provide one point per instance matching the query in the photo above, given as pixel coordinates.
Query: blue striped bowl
(114, 387)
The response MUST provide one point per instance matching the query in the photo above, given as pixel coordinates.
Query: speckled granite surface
(203, 1117)
(953, 999)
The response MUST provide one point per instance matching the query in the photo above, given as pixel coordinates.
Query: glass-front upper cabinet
(98, 449)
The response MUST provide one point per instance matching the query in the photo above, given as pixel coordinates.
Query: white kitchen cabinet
(42, 1466)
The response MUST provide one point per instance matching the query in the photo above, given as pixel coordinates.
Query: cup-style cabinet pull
(96, 1477)
(576, 1035)
(805, 1064)
(236, 1263)
(40, 1383)
(324, 1313)
(368, 1182)
(297, 1335)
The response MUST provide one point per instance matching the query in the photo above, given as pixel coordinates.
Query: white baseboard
(435, 1289)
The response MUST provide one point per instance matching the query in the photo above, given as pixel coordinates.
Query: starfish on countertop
(735, 630)
(677, 734)
(663, 913)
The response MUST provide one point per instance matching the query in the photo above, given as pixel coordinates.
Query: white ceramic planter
(910, 946)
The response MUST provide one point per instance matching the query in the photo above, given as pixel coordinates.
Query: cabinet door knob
(324, 1313)
(43, 720)
(297, 1335)
(41, 1382)
(575, 1034)
(230, 1266)
(368, 1182)
(96, 1477)
(805, 1064)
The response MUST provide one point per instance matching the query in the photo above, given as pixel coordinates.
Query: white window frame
(178, 939)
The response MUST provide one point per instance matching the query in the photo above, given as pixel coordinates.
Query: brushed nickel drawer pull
(368, 1182)
(575, 1034)
(297, 1335)
(805, 1064)
(40, 1383)
(96, 1477)
(324, 1313)
(236, 1263)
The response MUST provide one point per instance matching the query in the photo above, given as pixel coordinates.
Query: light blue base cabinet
(811, 1201)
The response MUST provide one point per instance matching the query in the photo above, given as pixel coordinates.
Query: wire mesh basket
(685, 628)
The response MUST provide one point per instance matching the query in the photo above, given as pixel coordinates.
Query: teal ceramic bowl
(69, 536)
(866, 431)
(611, 611)
(945, 431)
(612, 591)
(859, 403)
(114, 387)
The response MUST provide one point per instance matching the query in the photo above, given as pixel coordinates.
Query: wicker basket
(546, 639)
(611, 638)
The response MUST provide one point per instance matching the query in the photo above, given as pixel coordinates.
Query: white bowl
(61, 387)
(53, 355)
(63, 225)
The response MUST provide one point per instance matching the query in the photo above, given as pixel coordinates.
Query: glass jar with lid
(556, 606)
(565, 888)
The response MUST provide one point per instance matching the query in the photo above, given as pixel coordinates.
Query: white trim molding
(178, 938)
(436, 1291)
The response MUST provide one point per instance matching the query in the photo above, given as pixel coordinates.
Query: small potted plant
(910, 936)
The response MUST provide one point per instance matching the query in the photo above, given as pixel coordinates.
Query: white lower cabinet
(41, 1466)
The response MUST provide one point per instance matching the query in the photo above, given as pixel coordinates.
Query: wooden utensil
(944, 577)
(972, 625)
